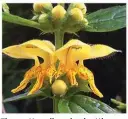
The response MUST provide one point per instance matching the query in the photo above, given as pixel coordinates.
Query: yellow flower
(76, 50)
(32, 50)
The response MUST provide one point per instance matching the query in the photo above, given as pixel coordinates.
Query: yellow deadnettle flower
(76, 50)
(32, 50)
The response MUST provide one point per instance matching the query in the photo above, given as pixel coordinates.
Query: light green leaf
(105, 20)
(83, 104)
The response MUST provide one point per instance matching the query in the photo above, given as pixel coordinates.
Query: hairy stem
(55, 105)
(59, 36)
(19, 20)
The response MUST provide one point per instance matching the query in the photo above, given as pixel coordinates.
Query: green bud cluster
(55, 18)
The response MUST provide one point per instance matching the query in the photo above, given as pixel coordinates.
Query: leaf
(83, 104)
(19, 20)
(105, 20)
(23, 96)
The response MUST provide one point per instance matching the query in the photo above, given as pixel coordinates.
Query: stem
(59, 36)
(55, 105)
(19, 20)
(39, 106)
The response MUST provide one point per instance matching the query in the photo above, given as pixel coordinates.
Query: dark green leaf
(83, 104)
(105, 20)
(23, 96)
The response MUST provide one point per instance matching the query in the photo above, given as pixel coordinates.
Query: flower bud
(85, 21)
(81, 6)
(74, 21)
(43, 18)
(58, 12)
(45, 22)
(76, 14)
(44, 7)
(59, 87)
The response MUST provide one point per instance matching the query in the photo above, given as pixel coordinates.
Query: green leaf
(19, 20)
(83, 104)
(105, 20)
(23, 96)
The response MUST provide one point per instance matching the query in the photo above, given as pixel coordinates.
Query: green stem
(55, 105)
(19, 20)
(59, 36)
(39, 107)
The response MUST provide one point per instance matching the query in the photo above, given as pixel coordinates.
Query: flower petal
(63, 51)
(30, 74)
(51, 72)
(41, 44)
(76, 50)
(16, 51)
(86, 74)
(71, 76)
(31, 49)
(49, 44)
(38, 84)
(20, 87)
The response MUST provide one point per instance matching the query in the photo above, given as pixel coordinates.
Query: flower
(75, 50)
(72, 52)
(32, 50)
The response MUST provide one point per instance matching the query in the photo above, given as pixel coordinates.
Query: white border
(65, 1)
(57, 116)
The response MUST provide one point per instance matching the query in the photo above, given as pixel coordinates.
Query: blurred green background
(110, 73)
